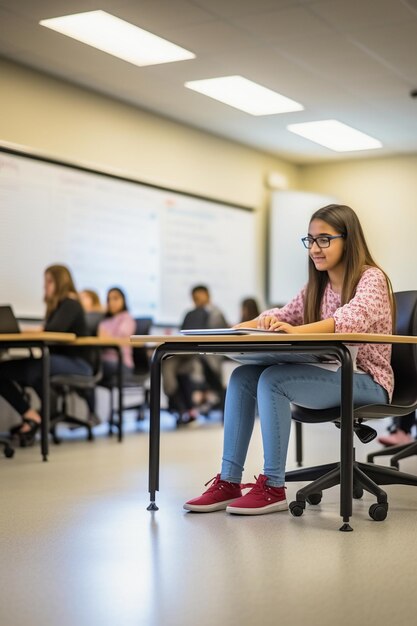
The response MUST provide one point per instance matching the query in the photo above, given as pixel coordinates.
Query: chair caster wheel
(296, 508)
(8, 452)
(90, 437)
(315, 498)
(378, 512)
(357, 492)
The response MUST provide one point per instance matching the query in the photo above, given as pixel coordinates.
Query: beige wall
(384, 194)
(70, 123)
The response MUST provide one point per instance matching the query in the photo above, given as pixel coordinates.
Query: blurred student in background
(117, 322)
(64, 313)
(94, 312)
(183, 374)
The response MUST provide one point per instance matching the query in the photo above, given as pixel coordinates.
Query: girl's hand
(282, 327)
(249, 324)
(265, 322)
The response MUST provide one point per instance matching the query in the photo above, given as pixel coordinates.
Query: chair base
(68, 419)
(8, 450)
(366, 476)
(403, 451)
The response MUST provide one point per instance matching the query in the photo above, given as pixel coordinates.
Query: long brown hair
(64, 287)
(356, 257)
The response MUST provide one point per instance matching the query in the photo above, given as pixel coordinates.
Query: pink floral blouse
(368, 311)
(120, 325)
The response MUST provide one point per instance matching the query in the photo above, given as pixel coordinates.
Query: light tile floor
(78, 546)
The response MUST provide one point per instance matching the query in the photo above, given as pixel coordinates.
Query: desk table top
(106, 342)
(271, 338)
(37, 336)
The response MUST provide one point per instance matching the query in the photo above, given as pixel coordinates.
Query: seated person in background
(117, 322)
(180, 372)
(399, 431)
(93, 310)
(249, 310)
(64, 313)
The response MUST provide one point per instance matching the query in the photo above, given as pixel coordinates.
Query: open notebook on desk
(227, 331)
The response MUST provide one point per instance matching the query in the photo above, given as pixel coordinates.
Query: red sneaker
(216, 498)
(260, 499)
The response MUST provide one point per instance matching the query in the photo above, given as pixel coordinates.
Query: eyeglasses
(323, 241)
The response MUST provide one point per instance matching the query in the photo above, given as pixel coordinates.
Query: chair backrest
(143, 325)
(404, 356)
(92, 321)
(140, 355)
(197, 318)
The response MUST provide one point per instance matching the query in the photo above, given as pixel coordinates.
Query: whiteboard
(153, 243)
(288, 259)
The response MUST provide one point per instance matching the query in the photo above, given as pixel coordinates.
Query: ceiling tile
(334, 57)
(287, 24)
(217, 35)
(346, 16)
(239, 8)
(394, 44)
(158, 15)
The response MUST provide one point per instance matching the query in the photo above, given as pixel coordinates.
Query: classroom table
(42, 341)
(317, 345)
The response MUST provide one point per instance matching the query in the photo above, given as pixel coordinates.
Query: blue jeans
(274, 387)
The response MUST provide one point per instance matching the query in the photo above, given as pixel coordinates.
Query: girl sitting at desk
(346, 293)
(117, 322)
(64, 313)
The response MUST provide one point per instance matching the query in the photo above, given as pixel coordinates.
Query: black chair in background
(367, 476)
(64, 384)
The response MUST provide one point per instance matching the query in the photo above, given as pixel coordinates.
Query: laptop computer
(8, 321)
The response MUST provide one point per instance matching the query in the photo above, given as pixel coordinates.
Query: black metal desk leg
(155, 426)
(120, 392)
(46, 405)
(346, 439)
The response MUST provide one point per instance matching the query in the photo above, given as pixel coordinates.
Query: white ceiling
(353, 60)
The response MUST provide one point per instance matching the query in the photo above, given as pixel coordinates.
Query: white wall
(70, 123)
(383, 192)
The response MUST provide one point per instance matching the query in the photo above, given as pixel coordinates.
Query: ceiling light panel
(335, 135)
(110, 34)
(243, 94)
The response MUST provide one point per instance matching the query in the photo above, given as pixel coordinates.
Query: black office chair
(137, 380)
(367, 476)
(64, 384)
(397, 453)
(8, 450)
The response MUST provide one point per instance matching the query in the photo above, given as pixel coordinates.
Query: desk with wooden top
(42, 341)
(317, 344)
